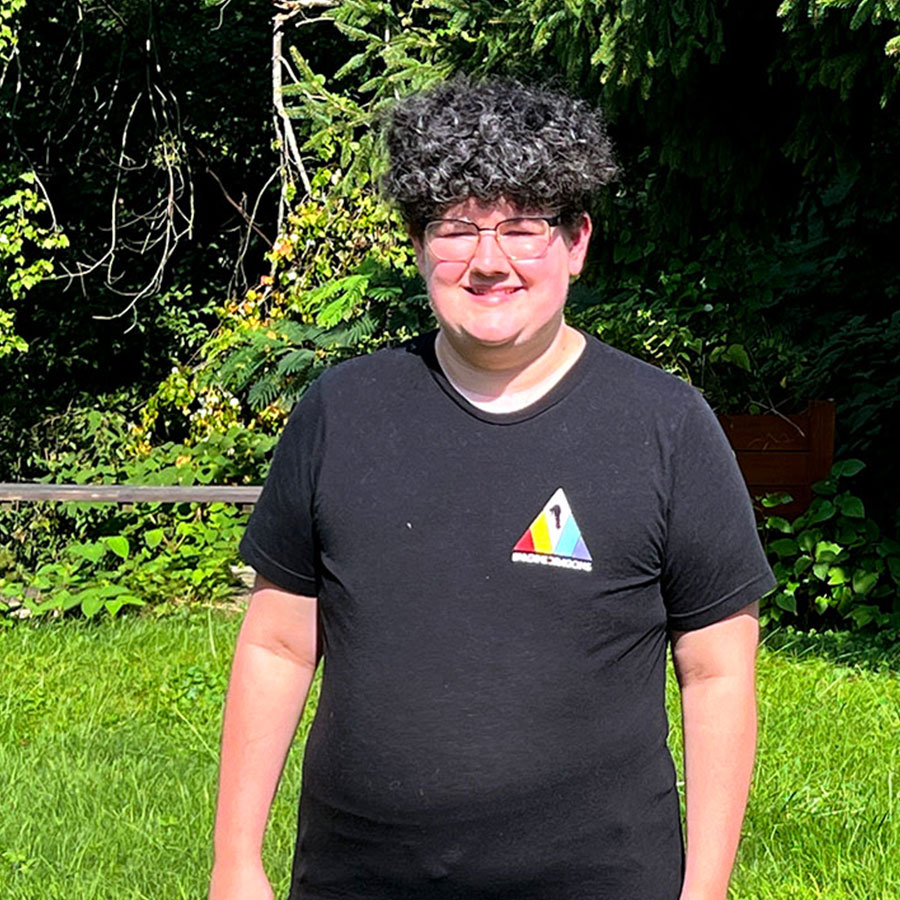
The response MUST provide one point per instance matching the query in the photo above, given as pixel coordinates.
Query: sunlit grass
(108, 746)
(824, 819)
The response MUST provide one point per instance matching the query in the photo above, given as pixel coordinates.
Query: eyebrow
(533, 215)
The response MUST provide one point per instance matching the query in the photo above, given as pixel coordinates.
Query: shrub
(93, 557)
(834, 567)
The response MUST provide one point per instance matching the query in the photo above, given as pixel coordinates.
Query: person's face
(492, 301)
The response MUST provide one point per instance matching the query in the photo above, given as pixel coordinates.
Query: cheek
(445, 274)
(546, 275)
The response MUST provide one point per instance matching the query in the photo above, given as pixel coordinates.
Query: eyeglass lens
(454, 239)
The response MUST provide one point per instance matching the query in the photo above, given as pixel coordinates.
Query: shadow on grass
(875, 651)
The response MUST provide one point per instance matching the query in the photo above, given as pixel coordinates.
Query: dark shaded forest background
(180, 259)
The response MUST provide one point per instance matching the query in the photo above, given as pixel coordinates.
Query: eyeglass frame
(553, 221)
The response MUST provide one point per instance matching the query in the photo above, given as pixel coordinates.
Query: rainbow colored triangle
(555, 532)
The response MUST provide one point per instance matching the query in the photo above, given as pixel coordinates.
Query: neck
(505, 381)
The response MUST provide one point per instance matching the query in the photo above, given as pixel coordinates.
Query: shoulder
(648, 405)
(639, 386)
(381, 371)
(361, 387)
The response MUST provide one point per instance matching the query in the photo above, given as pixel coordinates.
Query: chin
(493, 329)
(490, 337)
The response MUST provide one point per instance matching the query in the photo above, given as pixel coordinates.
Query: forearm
(266, 695)
(719, 717)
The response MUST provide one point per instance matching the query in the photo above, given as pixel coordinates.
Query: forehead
(486, 213)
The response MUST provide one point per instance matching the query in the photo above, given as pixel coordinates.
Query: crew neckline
(573, 377)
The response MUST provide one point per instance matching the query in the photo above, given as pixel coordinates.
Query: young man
(491, 534)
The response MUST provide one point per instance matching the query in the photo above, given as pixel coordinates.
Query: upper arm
(283, 622)
(281, 540)
(724, 648)
(713, 561)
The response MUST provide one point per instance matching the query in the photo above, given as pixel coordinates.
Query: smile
(493, 295)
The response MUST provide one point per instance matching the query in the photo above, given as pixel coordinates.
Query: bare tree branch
(152, 196)
(291, 160)
(290, 151)
(294, 7)
(238, 206)
(238, 264)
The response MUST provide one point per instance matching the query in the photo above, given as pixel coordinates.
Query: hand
(239, 882)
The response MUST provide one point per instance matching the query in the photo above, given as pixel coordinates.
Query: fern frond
(295, 361)
(263, 393)
(297, 332)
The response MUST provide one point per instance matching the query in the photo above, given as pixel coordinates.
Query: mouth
(492, 295)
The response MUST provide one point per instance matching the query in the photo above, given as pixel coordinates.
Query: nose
(488, 258)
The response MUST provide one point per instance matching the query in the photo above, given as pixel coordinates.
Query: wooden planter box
(784, 454)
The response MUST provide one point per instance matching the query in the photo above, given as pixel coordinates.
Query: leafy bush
(26, 244)
(834, 567)
(686, 321)
(186, 557)
(857, 366)
(93, 557)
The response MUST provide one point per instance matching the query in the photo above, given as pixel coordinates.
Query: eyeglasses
(455, 240)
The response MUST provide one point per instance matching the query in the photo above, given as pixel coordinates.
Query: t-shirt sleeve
(280, 540)
(714, 564)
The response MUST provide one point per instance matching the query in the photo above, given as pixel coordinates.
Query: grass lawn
(108, 745)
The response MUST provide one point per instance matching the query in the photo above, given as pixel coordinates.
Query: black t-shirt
(495, 592)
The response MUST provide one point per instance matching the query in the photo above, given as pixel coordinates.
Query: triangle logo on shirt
(554, 538)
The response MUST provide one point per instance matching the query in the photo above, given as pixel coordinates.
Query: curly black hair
(531, 145)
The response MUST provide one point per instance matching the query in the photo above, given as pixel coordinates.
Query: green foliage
(21, 235)
(686, 321)
(748, 248)
(623, 43)
(161, 557)
(191, 687)
(857, 365)
(294, 352)
(95, 557)
(833, 565)
(342, 269)
(861, 13)
(8, 28)
(343, 283)
(123, 110)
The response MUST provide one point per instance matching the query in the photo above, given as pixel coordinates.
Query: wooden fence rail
(128, 493)
(775, 453)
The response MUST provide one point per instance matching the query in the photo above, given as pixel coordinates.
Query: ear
(578, 246)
